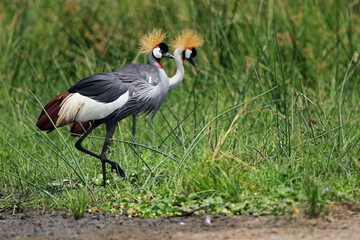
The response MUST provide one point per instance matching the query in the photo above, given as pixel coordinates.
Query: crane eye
(157, 52)
(188, 53)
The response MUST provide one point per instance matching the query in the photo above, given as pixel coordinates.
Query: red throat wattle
(160, 66)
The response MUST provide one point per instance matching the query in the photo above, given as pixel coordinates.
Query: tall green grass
(269, 119)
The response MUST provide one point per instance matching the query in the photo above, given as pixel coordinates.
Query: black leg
(78, 143)
(110, 129)
(114, 165)
(133, 132)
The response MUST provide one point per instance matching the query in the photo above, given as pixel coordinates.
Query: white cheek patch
(188, 53)
(157, 52)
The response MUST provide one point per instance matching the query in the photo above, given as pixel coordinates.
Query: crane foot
(115, 166)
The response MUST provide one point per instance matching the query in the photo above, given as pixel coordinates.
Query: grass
(77, 203)
(267, 124)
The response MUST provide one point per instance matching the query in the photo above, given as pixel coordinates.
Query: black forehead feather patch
(193, 54)
(163, 47)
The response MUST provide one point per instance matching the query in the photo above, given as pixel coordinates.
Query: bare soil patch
(341, 224)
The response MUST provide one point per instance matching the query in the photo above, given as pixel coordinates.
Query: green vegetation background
(268, 123)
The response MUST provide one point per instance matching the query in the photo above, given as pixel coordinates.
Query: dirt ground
(341, 224)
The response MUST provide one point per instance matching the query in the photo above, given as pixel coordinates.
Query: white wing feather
(79, 108)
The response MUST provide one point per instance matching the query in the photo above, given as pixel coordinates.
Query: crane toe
(115, 166)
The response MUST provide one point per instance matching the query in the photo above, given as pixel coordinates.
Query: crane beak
(191, 60)
(167, 55)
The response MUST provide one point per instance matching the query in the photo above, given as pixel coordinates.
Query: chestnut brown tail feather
(52, 109)
(77, 129)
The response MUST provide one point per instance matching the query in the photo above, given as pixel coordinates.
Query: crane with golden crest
(185, 49)
(107, 98)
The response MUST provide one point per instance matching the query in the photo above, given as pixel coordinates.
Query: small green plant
(77, 202)
(314, 199)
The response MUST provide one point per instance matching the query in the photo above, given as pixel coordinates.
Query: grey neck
(180, 71)
(163, 84)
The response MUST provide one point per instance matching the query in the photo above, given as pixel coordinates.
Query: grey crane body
(148, 73)
(108, 87)
(145, 71)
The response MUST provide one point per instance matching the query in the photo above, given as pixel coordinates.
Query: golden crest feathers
(187, 38)
(149, 40)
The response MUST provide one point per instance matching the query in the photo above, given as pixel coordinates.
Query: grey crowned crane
(107, 98)
(184, 45)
